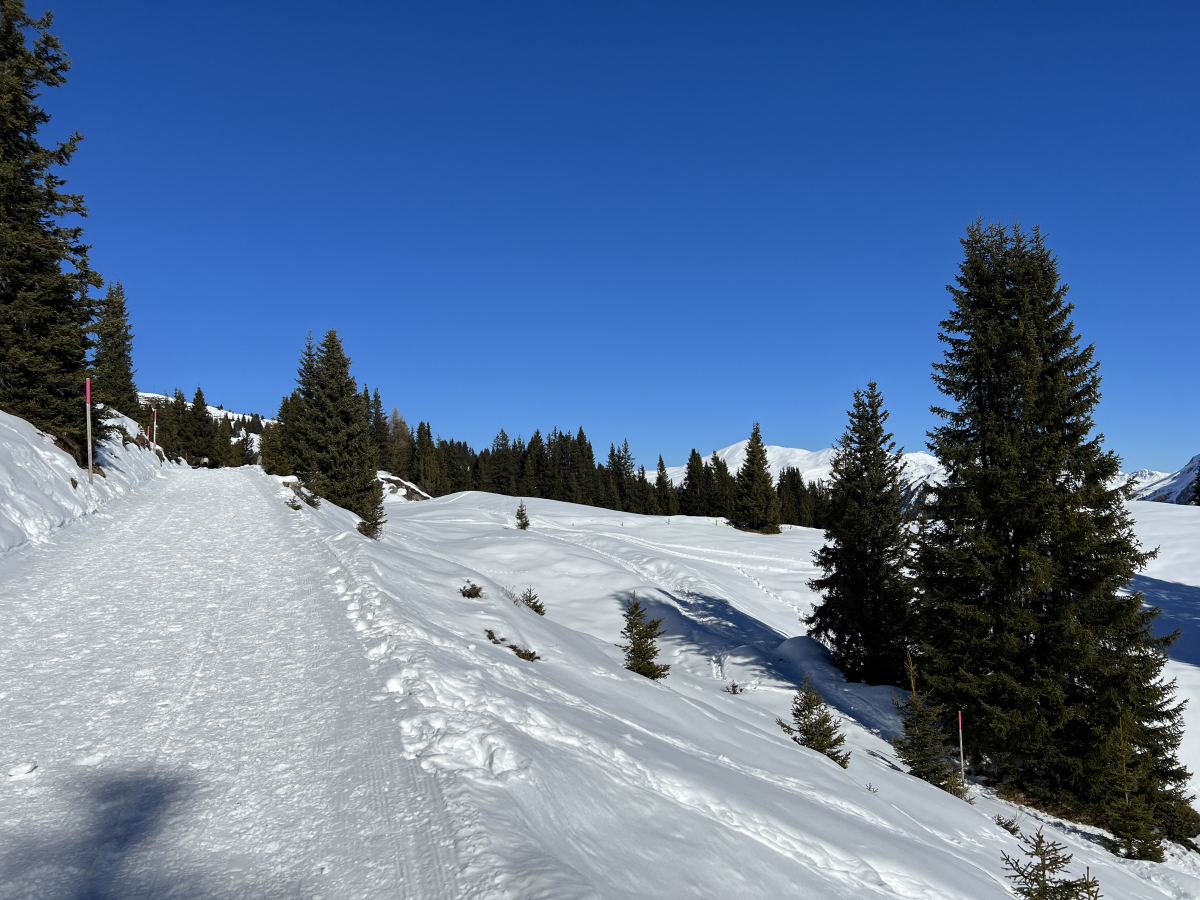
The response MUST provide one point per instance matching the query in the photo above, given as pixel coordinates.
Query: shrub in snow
(471, 591)
(522, 652)
(1038, 879)
(527, 598)
(522, 517)
(733, 688)
(813, 726)
(641, 645)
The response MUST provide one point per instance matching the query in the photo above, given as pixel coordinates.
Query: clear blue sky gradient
(657, 221)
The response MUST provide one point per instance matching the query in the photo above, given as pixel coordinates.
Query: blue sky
(657, 221)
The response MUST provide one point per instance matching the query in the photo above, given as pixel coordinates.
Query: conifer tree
(198, 430)
(400, 445)
(665, 493)
(427, 465)
(380, 433)
(45, 310)
(300, 438)
(757, 504)
(721, 488)
(641, 642)
(865, 587)
(274, 460)
(112, 367)
(1027, 547)
(1039, 879)
(925, 744)
(813, 725)
(522, 517)
(693, 498)
(344, 454)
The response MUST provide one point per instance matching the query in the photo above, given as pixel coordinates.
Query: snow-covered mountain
(814, 465)
(1164, 487)
(146, 398)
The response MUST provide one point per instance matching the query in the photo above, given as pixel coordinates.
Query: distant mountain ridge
(921, 468)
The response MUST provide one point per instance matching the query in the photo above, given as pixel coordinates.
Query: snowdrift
(41, 488)
(581, 779)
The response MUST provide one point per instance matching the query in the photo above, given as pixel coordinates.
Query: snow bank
(41, 488)
(578, 779)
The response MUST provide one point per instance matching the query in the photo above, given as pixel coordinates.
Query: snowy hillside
(219, 695)
(814, 465)
(42, 489)
(1161, 487)
(213, 411)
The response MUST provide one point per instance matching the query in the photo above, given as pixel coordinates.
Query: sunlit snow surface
(225, 697)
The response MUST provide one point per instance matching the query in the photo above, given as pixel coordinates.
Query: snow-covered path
(200, 712)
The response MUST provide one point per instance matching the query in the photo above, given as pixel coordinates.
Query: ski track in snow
(197, 705)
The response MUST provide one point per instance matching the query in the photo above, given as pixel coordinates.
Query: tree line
(1006, 583)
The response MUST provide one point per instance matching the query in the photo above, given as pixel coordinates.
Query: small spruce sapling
(522, 517)
(814, 726)
(530, 599)
(925, 746)
(1038, 879)
(471, 590)
(641, 636)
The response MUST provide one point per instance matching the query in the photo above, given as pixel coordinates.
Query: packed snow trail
(183, 674)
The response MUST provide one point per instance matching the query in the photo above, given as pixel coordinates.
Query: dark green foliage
(757, 505)
(112, 367)
(380, 433)
(693, 497)
(641, 642)
(722, 488)
(802, 503)
(865, 587)
(471, 591)
(925, 745)
(198, 432)
(400, 446)
(45, 310)
(1040, 878)
(274, 460)
(1025, 550)
(529, 599)
(522, 652)
(522, 517)
(813, 725)
(665, 493)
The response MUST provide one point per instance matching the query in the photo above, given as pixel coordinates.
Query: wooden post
(89, 427)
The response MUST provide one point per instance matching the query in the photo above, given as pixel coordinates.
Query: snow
(42, 489)
(224, 696)
(214, 412)
(1162, 487)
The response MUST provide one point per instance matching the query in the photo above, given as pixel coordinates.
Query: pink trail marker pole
(962, 759)
(88, 397)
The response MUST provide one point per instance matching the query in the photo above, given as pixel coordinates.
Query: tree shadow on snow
(95, 855)
(1180, 605)
(724, 633)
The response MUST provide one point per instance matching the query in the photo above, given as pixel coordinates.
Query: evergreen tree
(198, 431)
(380, 433)
(757, 505)
(865, 589)
(427, 465)
(522, 517)
(400, 446)
(344, 454)
(925, 745)
(693, 498)
(112, 366)
(1027, 547)
(274, 460)
(1039, 879)
(45, 310)
(301, 441)
(813, 726)
(721, 488)
(795, 499)
(641, 642)
(665, 493)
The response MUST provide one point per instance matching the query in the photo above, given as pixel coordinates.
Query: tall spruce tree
(665, 492)
(112, 367)
(344, 453)
(866, 589)
(693, 498)
(757, 505)
(1027, 548)
(45, 310)
(641, 642)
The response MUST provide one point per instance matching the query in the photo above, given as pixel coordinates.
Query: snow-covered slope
(213, 411)
(41, 487)
(263, 702)
(814, 465)
(1163, 487)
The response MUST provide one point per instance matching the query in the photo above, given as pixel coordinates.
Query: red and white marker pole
(154, 440)
(962, 759)
(88, 397)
